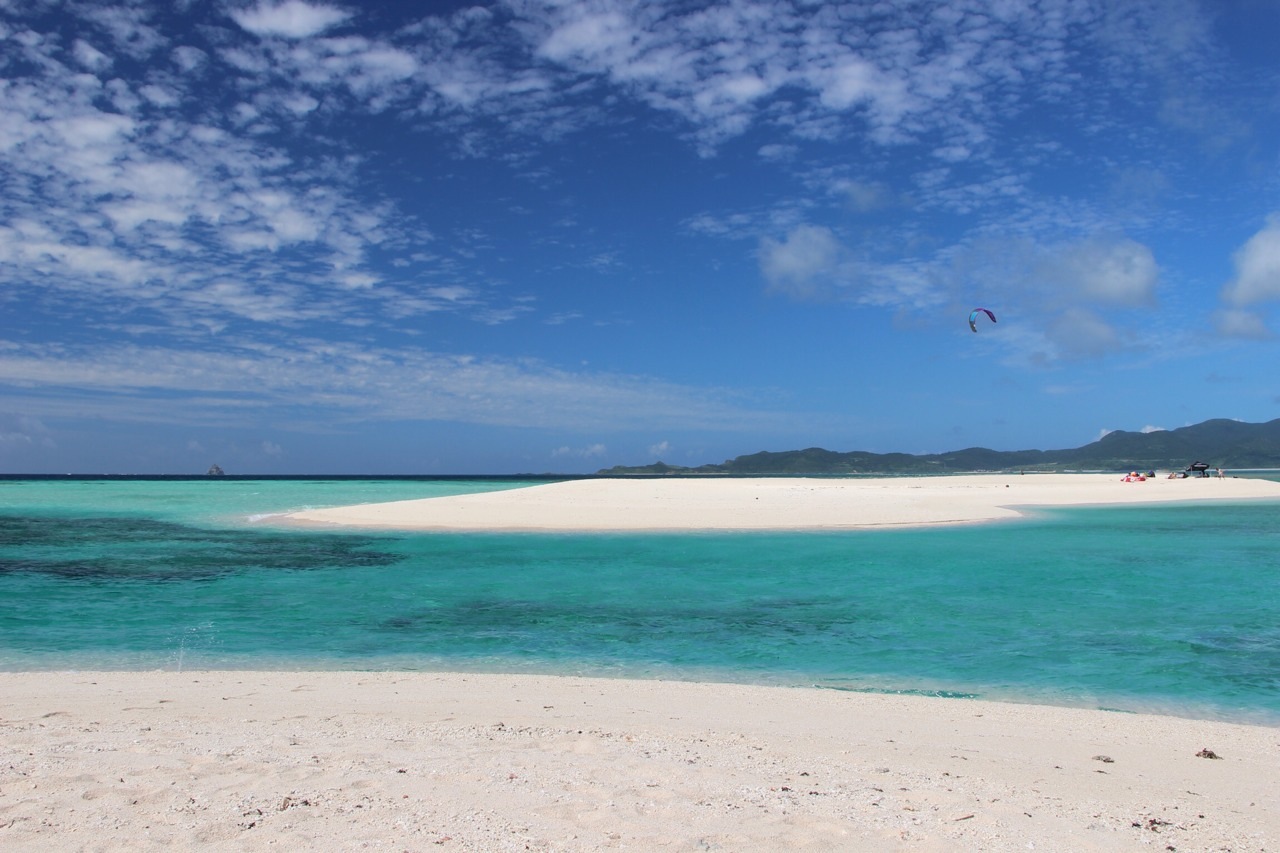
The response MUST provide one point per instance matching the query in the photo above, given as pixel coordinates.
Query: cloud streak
(327, 385)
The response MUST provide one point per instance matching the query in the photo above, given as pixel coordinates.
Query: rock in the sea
(215, 470)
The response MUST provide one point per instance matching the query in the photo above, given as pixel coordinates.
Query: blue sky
(534, 236)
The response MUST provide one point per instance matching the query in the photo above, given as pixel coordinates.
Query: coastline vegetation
(1222, 443)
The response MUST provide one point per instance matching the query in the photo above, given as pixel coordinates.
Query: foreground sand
(398, 761)
(775, 503)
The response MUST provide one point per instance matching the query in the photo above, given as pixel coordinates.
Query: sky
(536, 236)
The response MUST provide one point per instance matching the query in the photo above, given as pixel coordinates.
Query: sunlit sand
(338, 761)
(776, 503)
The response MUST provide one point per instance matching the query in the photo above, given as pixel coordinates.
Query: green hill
(1220, 442)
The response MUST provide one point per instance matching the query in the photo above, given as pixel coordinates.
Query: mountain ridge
(1221, 442)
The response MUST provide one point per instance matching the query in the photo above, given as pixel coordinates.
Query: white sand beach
(340, 761)
(776, 503)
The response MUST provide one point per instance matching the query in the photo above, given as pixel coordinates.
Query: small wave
(264, 516)
(254, 518)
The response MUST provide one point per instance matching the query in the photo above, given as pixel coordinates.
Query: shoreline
(335, 760)
(772, 503)
(392, 760)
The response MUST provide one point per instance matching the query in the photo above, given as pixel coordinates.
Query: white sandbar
(339, 761)
(775, 503)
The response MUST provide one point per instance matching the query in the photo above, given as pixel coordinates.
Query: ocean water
(1174, 609)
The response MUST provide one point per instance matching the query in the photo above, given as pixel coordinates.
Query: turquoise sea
(1173, 609)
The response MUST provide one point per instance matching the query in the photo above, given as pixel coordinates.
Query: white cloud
(292, 19)
(777, 151)
(90, 57)
(1257, 263)
(1073, 298)
(862, 196)
(8, 439)
(1081, 333)
(323, 384)
(129, 28)
(1121, 272)
(160, 96)
(842, 67)
(21, 432)
(660, 449)
(91, 134)
(189, 59)
(595, 36)
(1238, 323)
(811, 262)
(88, 265)
(851, 81)
(369, 69)
(588, 452)
(803, 263)
(278, 305)
(1150, 429)
(133, 208)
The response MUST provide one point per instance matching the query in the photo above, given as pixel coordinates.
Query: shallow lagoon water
(1171, 608)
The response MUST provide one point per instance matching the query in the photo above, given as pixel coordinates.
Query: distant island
(1221, 443)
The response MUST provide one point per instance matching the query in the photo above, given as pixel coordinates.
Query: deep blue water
(1171, 608)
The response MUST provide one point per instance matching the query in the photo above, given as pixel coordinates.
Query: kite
(973, 317)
